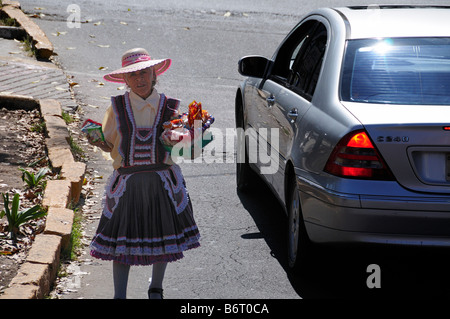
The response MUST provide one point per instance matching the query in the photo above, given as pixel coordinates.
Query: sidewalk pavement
(26, 83)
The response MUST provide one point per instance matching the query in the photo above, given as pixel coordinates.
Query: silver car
(354, 109)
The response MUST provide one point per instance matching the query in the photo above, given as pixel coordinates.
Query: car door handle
(293, 114)
(270, 100)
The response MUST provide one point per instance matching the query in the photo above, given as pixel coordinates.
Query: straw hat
(135, 60)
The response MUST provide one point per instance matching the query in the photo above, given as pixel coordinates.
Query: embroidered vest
(142, 146)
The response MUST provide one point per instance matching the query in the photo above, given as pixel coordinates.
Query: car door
(270, 92)
(291, 85)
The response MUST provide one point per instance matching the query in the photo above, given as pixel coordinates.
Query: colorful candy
(177, 129)
(195, 113)
(173, 124)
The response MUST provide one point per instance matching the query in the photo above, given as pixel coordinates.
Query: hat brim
(160, 66)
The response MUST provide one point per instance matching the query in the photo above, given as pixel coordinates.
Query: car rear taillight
(356, 157)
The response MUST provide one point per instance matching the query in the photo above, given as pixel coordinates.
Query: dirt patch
(22, 145)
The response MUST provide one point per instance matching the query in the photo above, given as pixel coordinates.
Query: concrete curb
(12, 32)
(37, 274)
(35, 277)
(41, 43)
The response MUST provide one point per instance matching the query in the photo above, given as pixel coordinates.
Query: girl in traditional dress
(147, 214)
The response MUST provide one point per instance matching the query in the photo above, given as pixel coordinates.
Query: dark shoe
(155, 291)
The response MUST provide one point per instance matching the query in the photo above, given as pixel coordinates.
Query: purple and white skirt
(147, 217)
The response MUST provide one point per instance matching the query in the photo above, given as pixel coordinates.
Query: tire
(299, 245)
(245, 176)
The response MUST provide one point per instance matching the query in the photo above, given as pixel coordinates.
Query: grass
(29, 47)
(67, 117)
(8, 22)
(75, 237)
(76, 149)
(75, 246)
(38, 127)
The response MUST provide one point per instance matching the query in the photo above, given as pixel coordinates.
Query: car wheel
(245, 176)
(299, 245)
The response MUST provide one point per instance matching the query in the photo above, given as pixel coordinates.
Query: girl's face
(141, 82)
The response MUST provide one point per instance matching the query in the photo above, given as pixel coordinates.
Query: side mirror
(253, 66)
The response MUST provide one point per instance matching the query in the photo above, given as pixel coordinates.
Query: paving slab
(23, 75)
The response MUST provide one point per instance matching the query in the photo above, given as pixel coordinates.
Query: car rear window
(397, 71)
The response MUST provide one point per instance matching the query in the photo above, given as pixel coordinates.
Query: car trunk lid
(414, 141)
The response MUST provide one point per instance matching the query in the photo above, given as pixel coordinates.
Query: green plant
(38, 127)
(73, 251)
(75, 148)
(67, 117)
(28, 46)
(17, 218)
(32, 179)
(9, 22)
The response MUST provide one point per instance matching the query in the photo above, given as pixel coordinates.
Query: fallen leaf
(30, 194)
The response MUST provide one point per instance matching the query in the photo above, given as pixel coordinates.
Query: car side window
(289, 51)
(306, 67)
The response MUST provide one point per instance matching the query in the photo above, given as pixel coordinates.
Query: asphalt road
(243, 253)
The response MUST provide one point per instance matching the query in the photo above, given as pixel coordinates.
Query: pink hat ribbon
(131, 60)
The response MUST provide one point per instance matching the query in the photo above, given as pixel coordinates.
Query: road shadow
(351, 271)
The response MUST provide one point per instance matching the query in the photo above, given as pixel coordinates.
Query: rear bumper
(333, 217)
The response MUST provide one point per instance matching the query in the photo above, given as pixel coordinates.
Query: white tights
(120, 277)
